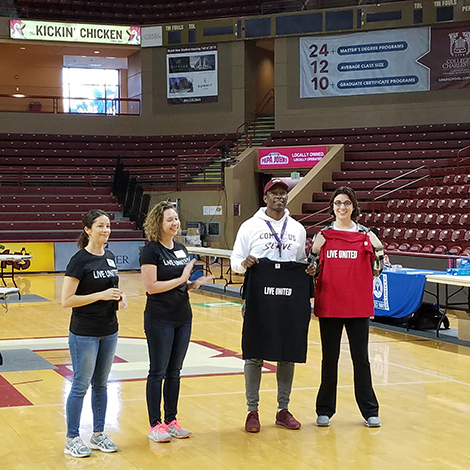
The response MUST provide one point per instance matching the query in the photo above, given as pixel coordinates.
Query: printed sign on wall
(290, 157)
(74, 32)
(364, 63)
(192, 74)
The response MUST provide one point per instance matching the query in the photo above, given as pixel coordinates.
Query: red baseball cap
(273, 182)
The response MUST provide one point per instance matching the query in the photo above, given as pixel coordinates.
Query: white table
(448, 280)
(205, 254)
(12, 259)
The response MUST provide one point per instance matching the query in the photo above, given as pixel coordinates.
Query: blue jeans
(92, 358)
(168, 343)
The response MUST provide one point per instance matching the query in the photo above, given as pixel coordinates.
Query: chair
(427, 248)
(408, 219)
(442, 219)
(404, 247)
(410, 234)
(458, 235)
(418, 220)
(440, 250)
(454, 204)
(432, 204)
(430, 219)
(445, 235)
(464, 220)
(452, 190)
(433, 235)
(422, 234)
(422, 191)
(422, 204)
(388, 218)
(416, 248)
(368, 218)
(393, 246)
(453, 220)
(411, 205)
(448, 179)
(455, 250)
(392, 204)
(443, 204)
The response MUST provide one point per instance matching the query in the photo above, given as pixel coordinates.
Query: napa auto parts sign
(290, 157)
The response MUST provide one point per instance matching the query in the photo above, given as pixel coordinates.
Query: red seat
(392, 204)
(388, 218)
(464, 220)
(433, 235)
(454, 204)
(411, 205)
(422, 191)
(410, 234)
(442, 219)
(458, 235)
(432, 204)
(430, 219)
(418, 220)
(415, 248)
(452, 190)
(445, 235)
(393, 246)
(422, 234)
(455, 250)
(404, 247)
(427, 249)
(448, 179)
(408, 219)
(440, 250)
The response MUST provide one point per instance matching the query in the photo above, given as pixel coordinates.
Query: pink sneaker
(175, 430)
(159, 433)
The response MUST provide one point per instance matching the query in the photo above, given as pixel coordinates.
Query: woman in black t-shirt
(91, 289)
(166, 268)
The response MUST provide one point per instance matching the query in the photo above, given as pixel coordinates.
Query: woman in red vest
(345, 256)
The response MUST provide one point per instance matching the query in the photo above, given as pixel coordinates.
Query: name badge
(180, 254)
(111, 262)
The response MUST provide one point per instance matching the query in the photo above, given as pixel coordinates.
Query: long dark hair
(347, 191)
(87, 221)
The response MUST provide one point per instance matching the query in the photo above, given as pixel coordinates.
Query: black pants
(357, 330)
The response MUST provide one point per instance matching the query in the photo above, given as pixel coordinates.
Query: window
(90, 91)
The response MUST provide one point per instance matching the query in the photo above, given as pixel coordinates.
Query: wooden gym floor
(423, 388)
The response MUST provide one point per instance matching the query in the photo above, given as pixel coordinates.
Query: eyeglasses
(344, 203)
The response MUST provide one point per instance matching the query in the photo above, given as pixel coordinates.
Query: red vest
(344, 285)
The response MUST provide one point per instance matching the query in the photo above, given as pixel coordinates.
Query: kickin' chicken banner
(74, 32)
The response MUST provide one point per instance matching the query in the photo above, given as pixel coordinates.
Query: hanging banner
(449, 57)
(290, 157)
(364, 63)
(192, 74)
(74, 32)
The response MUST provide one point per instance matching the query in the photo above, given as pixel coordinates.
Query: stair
(260, 131)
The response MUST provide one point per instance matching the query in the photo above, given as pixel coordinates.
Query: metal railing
(61, 105)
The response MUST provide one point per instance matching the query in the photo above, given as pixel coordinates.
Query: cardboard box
(193, 240)
(463, 325)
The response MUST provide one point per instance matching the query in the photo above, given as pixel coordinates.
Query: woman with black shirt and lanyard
(166, 268)
(91, 289)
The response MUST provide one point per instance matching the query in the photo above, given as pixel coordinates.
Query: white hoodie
(255, 238)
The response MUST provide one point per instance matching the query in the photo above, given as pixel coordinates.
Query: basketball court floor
(423, 387)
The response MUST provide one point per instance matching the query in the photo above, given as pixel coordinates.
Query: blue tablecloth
(399, 294)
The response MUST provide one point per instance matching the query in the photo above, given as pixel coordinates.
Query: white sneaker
(103, 442)
(77, 448)
(373, 422)
(175, 430)
(159, 433)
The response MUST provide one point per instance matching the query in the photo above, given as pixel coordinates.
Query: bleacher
(424, 211)
(49, 181)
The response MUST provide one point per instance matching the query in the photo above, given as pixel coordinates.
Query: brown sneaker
(285, 418)
(252, 422)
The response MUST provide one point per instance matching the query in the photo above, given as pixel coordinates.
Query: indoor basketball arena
(161, 163)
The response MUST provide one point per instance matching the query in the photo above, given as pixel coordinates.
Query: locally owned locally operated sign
(290, 157)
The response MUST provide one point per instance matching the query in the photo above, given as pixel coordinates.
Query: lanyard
(276, 236)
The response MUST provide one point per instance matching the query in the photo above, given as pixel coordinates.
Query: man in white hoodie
(271, 233)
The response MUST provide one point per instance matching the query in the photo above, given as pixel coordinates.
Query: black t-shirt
(172, 304)
(277, 311)
(96, 274)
